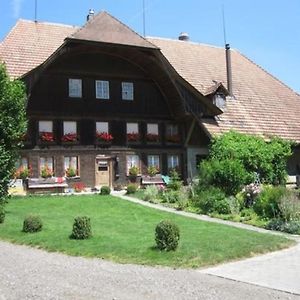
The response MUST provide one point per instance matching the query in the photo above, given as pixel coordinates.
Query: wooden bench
(46, 185)
(155, 180)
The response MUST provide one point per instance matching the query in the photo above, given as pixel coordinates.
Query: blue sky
(267, 31)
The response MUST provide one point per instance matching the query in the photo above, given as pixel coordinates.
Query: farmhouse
(102, 99)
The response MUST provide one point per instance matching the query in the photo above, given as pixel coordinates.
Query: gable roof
(104, 28)
(262, 104)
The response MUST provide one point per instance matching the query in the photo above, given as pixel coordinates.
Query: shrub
(292, 227)
(118, 187)
(32, 223)
(133, 171)
(211, 200)
(131, 188)
(167, 235)
(152, 171)
(2, 213)
(275, 224)
(229, 175)
(267, 203)
(175, 183)
(234, 205)
(105, 190)
(289, 207)
(170, 196)
(183, 198)
(81, 228)
(79, 187)
(151, 193)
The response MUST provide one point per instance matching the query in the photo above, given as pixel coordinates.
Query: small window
(219, 100)
(152, 133)
(152, 128)
(173, 162)
(75, 88)
(127, 90)
(102, 89)
(46, 167)
(45, 126)
(132, 130)
(71, 166)
(70, 127)
(23, 169)
(132, 161)
(172, 133)
(102, 127)
(153, 161)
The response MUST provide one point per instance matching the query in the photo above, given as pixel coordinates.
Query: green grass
(124, 232)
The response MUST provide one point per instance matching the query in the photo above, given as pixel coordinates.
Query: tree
(12, 127)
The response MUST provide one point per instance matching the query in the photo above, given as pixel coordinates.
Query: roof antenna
(224, 24)
(35, 10)
(144, 19)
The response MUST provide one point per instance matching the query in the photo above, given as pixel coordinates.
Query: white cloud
(17, 5)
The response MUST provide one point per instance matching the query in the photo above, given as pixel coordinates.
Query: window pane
(153, 160)
(127, 90)
(75, 88)
(71, 162)
(45, 126)
(152, 128)
(132, 128)
(173, 161)
(46, 162)
(132, 161)
(172, 130)
(102, 89)
(102, 127)
(70, 127)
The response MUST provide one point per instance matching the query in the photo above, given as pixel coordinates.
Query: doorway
(103, 167)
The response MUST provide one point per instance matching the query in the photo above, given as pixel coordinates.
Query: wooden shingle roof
(261, 105)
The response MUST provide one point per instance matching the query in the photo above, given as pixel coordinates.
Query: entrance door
(103, 172)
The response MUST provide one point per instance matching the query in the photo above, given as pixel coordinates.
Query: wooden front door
(103, 172)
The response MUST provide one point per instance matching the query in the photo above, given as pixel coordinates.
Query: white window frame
(75, 88)
(69, 127)
(69, 160)
(132, 160)
(45, 126)
(102, 89)
(153, 160)
(127, 91)
(173, 161)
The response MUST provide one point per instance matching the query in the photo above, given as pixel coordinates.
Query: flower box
(173, 139)
(152, 138)
(133, 137)
(103, 138)
(46, 137)
(70, 138)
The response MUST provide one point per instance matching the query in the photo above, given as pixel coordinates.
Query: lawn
(124, 232)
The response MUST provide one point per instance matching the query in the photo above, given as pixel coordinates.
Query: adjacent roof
(104, 28)
(261, 105)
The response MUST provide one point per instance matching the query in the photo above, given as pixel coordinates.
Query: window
(219, 100)
(45, 126)
(173, 162)
(102, 127)
(153, 161)
(46, 131)
(46, 167)
(152, 133)
(132, 130)
(71, 166)
(75, 88)
(70, 127)
(22, 163)
(127, 90)
(132, 161)
(172, 133)
(23, 169)
(102, 89)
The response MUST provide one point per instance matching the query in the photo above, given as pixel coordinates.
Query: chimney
(184, 37)
(90, 15)
(228, 69)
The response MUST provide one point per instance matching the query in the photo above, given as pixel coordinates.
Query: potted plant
(133, 173)
(46, 172)
(71, 172)
(69, 138)
(133, 137)
(23, 173)
(46, 137)
(152, 171)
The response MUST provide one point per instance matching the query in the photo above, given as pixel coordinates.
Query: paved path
(278, 270)
(28, 273)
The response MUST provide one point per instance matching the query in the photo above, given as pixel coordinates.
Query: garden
(242, 180)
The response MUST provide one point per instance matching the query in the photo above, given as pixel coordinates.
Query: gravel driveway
(28, 273)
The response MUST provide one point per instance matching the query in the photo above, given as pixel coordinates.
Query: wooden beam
(190, 132)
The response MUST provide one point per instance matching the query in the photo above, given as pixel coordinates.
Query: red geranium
(69, 137)
(152, 137)
(46, 136)
(133, 137)
(104, 136)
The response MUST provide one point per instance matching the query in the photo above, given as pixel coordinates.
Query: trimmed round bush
(81, 228)
(131, 188)
(32, 223)
(167, 235)
(2, 213)
(105, 190)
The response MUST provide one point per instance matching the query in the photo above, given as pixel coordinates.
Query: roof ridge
(48, 23)
(267, 72)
